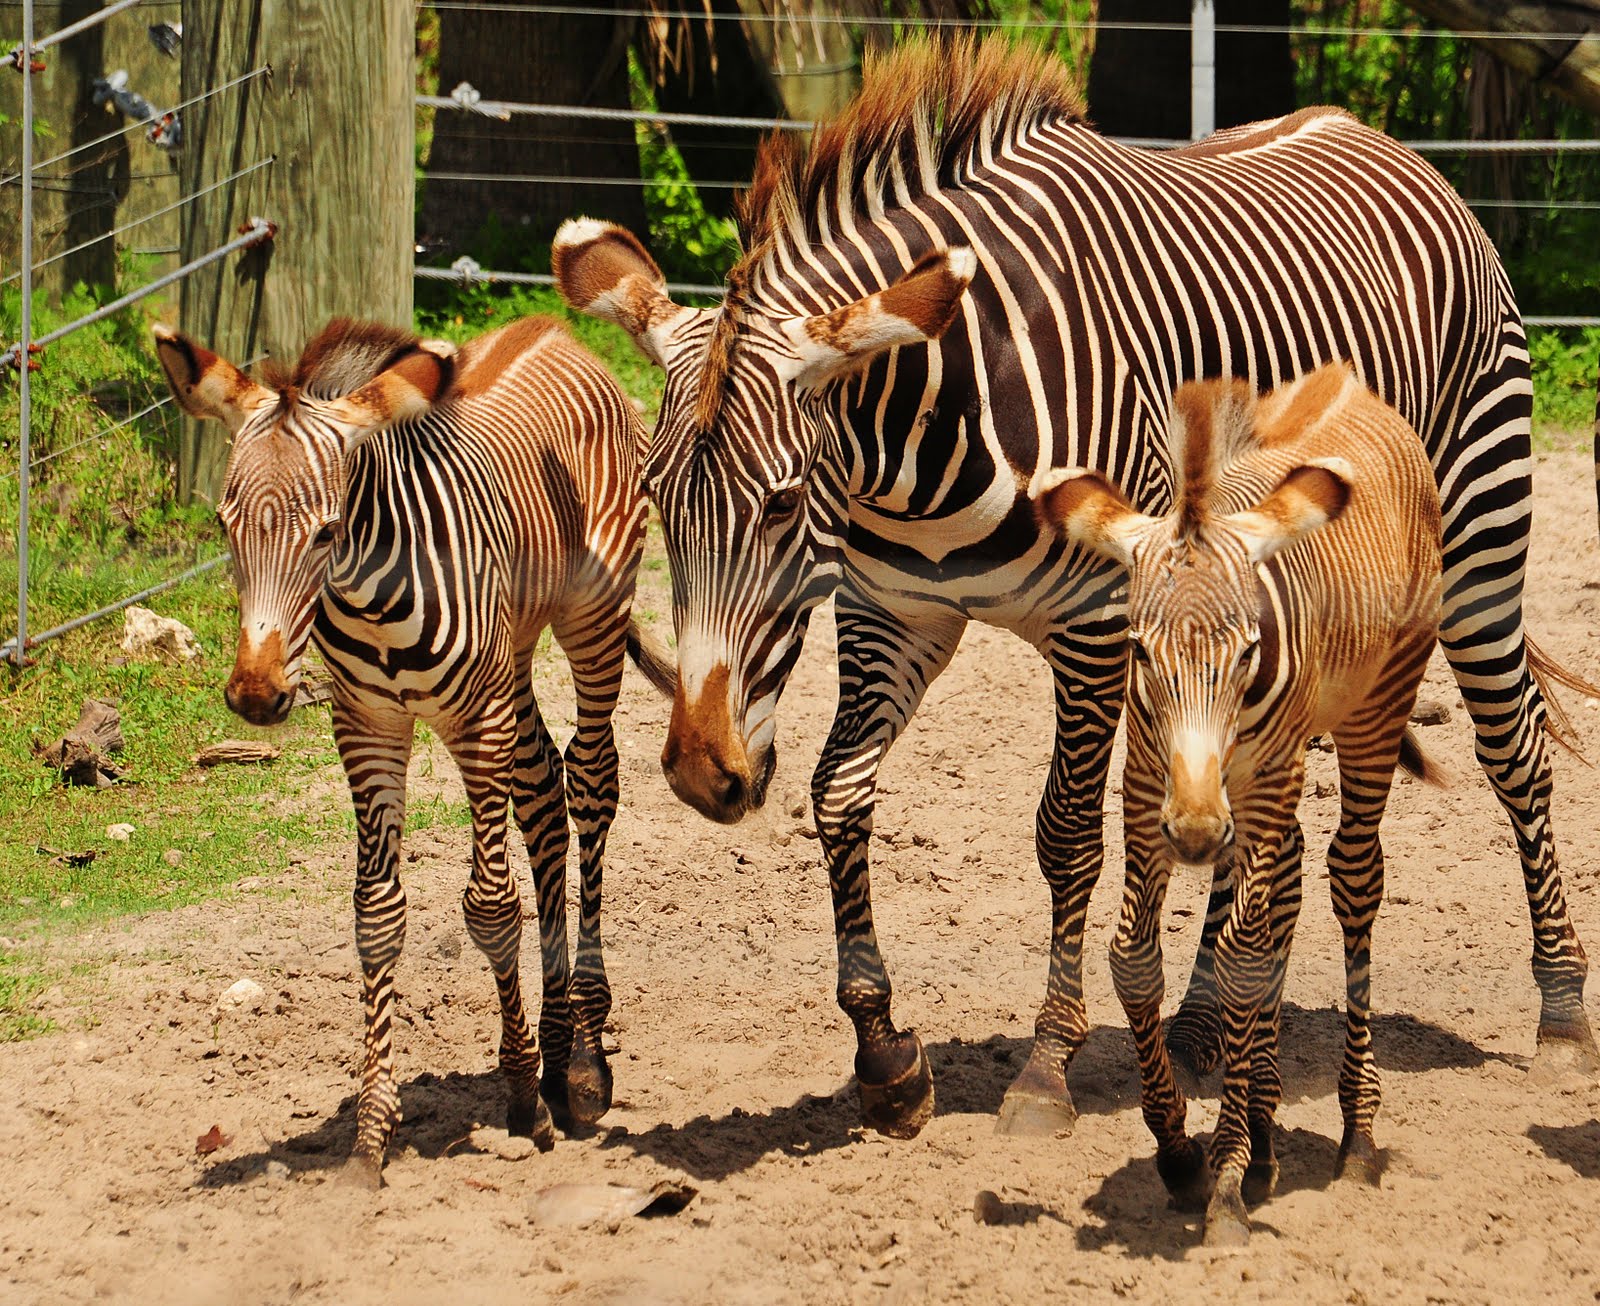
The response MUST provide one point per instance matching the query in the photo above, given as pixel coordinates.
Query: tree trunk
(1569, 67)
(337, 115)
(548, 58)
(1139, 80)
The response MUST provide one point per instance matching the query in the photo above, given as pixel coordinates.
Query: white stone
(144, 634)
(242, 995)
(121, 831)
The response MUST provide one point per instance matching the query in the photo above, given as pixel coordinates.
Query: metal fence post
(25, 335)
(1203, 69)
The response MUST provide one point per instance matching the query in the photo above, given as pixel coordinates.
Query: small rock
(241, 995)
(172, 857)
(121, 831)
(508, 1147)
(144, 634)
(277, 1172)
(1429, 712)
(987, 1208)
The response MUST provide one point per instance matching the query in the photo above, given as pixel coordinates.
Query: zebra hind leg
(1194, 1034)
(492, 907)
(541, 813)
(1069, 837)
(595, 650)
(375, 755)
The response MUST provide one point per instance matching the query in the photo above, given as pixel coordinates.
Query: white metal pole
(25, 336)
(1203, 69)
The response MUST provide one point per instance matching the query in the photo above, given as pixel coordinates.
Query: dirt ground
(733, 1069)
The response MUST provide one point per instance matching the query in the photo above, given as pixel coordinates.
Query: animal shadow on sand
(1131, 1209)
(1576, 1145)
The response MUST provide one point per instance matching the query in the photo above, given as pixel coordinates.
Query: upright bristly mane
(921, 110)
(345, 355)
(1213, 424)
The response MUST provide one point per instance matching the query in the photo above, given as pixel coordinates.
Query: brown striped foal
(426, 514)
(1293, 591)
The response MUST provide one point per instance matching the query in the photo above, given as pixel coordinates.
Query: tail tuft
(1557, 723)
(1415, 760)
(653, 662)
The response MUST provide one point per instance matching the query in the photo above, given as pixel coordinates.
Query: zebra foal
(1293, 590)
(425, 514)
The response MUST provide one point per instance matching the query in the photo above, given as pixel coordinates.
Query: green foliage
(1565, 366)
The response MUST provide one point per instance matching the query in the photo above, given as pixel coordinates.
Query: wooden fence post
(336, 113)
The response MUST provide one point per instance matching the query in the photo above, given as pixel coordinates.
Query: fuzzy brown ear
(919, 307)
(406, 390)
(205, 385)
(1090, 511)
(603, 270)
(1306, 500)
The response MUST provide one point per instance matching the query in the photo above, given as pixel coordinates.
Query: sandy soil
(733, 1066)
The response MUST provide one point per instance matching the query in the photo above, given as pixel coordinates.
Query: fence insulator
(166, 37)
(15, 60)
(471, 99)
(165, 129)
(264, 229)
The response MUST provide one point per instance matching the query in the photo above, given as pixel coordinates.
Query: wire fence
(27, 353)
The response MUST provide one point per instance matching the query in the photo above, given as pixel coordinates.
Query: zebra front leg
(1069, 839)
(375, 752)
(485, 753)
(594, 644)
(1136, 971)
(539, 802)
(884, 670)
(1251, 951)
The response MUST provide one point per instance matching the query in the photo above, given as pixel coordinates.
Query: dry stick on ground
(81, 755)
(236, 751)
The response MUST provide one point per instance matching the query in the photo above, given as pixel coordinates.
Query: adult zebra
(427, 513)
(807, 441)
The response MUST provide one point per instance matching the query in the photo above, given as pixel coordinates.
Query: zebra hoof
(1025, 1114)
(1359, 1161)
(363, 1172)
(1260, 1182)
(588, 1087)
(900, 1103)
(1227, 1221)
(531, 1120)
(1566, 1055)
(1186, 1175)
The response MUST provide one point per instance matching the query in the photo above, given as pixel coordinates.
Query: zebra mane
(344, 356)
(1213, 425)
(921, 110)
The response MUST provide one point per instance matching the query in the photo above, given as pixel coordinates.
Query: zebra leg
(375, 752)
(1369, 749)
(1194, 1035)
(1482, 633)
(1069, 837)
(538, 801)
(594, 645)
(485, 752)
(1136, 970)
(1251, 951)
(885, 667)
(1266, 1082)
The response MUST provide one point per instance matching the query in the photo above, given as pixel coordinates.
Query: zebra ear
(406, 390)
(205, 385)
(1306, 500)
(1090, 511)
(603, 270)
(919, 307)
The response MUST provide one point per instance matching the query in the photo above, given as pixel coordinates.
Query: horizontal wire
(83, 24)
(477, 274)
(552, 179)
(128, 127)
(1040, 24)
(148, 217)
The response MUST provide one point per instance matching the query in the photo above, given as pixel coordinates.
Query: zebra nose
(729, 791)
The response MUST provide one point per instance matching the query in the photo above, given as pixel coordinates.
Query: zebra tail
(1557, 723)
(653, 662)
(1418, 762)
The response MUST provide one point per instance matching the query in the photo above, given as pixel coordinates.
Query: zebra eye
(1141, 655)
(783, 503)
(329, 534)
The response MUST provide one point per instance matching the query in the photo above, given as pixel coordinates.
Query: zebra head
(1195, 601)
(284, 489)
(747, 473)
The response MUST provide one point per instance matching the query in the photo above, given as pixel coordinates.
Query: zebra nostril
(729, 792)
